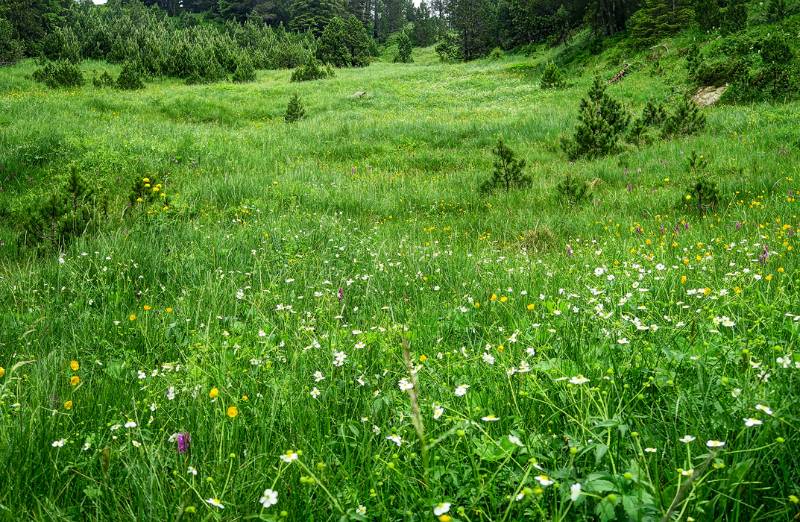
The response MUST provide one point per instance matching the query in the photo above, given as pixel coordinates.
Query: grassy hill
(589, 339)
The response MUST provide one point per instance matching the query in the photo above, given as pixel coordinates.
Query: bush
(295, 110)
(345, 43)
(59, 74)
(701, 198)
(11, 49)
(311, 70)
(508, 171)
(601, 122)
(552, 77)
(653, 115)
(573, 191)
(685, 120)
(403, 48)
(104, 80)
(64, 214)
(776, 10)
(245, 72)
(449, 47)
(734, 16)
(130, 77)
(495, 54)
(62, 44)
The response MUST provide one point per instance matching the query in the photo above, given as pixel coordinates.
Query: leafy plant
(147, 190)
(295, 110)
(59, 74)
(573, 190)
(345, 43)
(449, 47)
(495, 54)
(508, 170)
(552, 77)
(601, 122)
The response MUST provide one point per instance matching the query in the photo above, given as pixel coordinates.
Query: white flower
(575, 491)
(290, 456)
(269, 498)
(687, 472)
(239, 296)
(437, 412)
(624, 340)
(765, 409)
(217, 503)
(191, 471)
(396, 439)
(59, 443)
(361, 510)
(715, 443)
(488, 359)
(490, 418)
(650, 450)
(544, 480)
(339, 358)
(599, 271)
(461, 390)
(318, 376)
(171, 393)
(686, 439)
(405, 385)
(136, 443)
(577, 381)
(750, 422)
(441, 508)
(315, 392)
(513, 439)
(130, 424)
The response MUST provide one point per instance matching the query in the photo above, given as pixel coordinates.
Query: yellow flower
(147, 308)
(146, 180)
(245, 398)
(74, 380)
(683, 279)
(769, 277)
(132, 317)
(477, 304)
(68, 405)
(233, 411)
(423, 358)
(2, 371)
(445, 518)
(74, 365)
(214, 393)
(503, 299)
(493, 298)
(168, 309)
(530, 306)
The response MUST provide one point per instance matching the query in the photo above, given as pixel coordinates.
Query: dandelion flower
(74, 365)
(232, 412)
(74, 380)
(217, 503)
(214, 393)
(441, 508)
(132, 317)
(2, 372)
(715, 444)
(686, 439)
(269, 498)
(68, 405)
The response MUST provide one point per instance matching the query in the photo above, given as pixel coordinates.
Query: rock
(709, 95)
(358, 94)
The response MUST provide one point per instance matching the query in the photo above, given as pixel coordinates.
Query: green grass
(235, 287)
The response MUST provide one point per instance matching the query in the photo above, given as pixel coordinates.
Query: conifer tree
(295, 110)
(734, 16)
(657, 19)
(601, 122)
(314, 15)
(403, 48)
(509, 172)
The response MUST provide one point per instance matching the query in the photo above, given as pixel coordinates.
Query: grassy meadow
(329, 321)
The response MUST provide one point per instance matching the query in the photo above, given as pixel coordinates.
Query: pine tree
(687, 119)
(403, 48)
(734, 17)
(776, 10)
(552, 77)
(608, 17)
(11, 49)
(424, 32)
(314, 15)
(707, 14)
(295, 110)
(601, 122)
(657, 19)
(344, 43)
(509, 172)
(475, 22)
